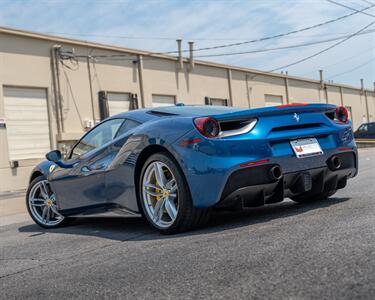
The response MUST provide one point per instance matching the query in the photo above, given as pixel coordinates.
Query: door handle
(97, 167)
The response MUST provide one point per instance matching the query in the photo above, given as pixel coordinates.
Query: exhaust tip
(276, 173)
(335, 163)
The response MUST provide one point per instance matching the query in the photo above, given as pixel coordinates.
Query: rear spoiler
(275, 110)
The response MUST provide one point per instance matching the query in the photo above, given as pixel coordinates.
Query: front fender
(45, 168)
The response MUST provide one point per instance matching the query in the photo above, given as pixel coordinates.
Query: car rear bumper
(257, 185)
(210, 170)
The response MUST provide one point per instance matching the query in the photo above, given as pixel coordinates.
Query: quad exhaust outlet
(275, 173)
(335, 163)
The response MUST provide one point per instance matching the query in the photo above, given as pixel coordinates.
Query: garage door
(273, 100)
(163, 100)
(27, 122)
(118, 103)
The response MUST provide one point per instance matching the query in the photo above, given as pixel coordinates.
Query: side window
(126, 126)
(363, 128)
(97, 137)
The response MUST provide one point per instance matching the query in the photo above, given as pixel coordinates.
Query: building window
(113, 103)
(216, 101)
(273, 100)
(163, 100)
(27, 123)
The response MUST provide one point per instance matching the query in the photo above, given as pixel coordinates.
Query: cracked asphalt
(321, 250)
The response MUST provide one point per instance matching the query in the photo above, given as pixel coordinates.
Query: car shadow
(137, 229)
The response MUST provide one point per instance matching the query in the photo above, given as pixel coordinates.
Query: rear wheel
(41, 204)
(165, 197)
(314, 197)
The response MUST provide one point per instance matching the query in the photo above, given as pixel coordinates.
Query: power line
(338, 62)
(324, 50)
(287, 33)
(351, 8)
(175, 38)
(368, 2)
(132, 57)
(285, 66)
(283, 47)
(353, 69)
(141, 37)
(254, 40)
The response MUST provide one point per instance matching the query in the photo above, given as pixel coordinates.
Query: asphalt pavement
(321, 250)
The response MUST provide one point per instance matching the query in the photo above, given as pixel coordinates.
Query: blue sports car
(173, 165)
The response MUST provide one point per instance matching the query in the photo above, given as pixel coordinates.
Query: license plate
(306, 147)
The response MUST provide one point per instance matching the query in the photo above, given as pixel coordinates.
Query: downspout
(55, 93)
(323, 85)
(57, 88)
(286, 88)
(341, 96)
(179, 49)
(140, 75)
(91, 91)
(364, 92)
(191, 57)
(248, 90)
(229, 74)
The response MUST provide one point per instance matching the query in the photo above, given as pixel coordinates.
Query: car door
(83, 186)
(371, 130)
(119, 179)
(361, 132)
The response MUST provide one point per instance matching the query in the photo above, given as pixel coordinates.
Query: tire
(314, 197)
(36, 202)
(186, 216)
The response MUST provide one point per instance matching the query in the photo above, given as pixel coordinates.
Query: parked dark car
(365, 131)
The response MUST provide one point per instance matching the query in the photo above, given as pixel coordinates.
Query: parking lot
(319, 250)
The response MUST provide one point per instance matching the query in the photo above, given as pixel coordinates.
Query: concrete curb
(362, 143)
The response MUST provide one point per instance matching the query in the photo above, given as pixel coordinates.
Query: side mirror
(54, 156)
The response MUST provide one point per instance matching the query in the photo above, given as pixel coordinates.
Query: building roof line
(85, 43)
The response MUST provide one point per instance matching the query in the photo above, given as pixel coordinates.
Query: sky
(154, 25)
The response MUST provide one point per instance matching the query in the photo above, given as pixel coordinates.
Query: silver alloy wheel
(160, 194)
(42, 204)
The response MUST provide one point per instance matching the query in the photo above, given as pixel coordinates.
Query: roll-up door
(118, 103)
(163, 100)
(26, 122)
(273, 100)
(216, 101)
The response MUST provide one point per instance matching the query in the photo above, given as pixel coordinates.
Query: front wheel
(165, 197)
(41, 204)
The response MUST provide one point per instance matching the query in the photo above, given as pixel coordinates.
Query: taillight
(342, 114)
(207, 126)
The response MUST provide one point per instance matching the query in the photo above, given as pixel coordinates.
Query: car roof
(196, 110)
(368, 123)
(147, 114)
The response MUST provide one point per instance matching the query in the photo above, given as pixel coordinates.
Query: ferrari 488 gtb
(173, 165)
